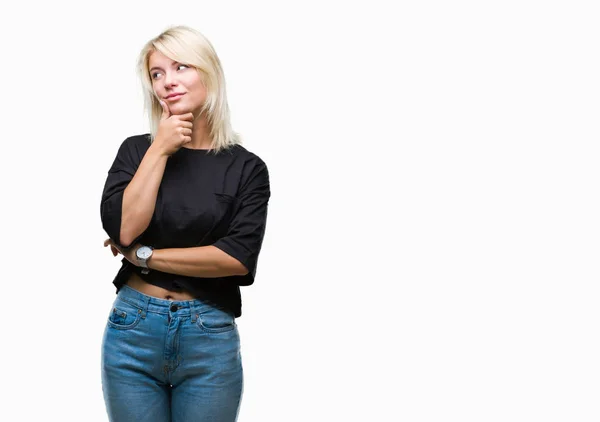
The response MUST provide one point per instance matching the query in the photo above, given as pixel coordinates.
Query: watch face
(144, 252)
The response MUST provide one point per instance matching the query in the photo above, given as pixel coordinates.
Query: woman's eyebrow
(160, 68)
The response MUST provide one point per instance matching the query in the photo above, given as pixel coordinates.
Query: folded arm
(201, 261)
(236, 253)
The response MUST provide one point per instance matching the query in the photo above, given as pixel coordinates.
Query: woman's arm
(201, 261)
(131, 189)
(139, 198)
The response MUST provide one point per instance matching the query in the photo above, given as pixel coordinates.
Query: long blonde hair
(188, 46)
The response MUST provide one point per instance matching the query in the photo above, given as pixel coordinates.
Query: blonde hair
(188, 46)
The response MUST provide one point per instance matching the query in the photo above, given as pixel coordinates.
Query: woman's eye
(155, 74)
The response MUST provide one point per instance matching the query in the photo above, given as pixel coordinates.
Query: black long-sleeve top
(203, 199)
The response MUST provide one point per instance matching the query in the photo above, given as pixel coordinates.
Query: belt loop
(194, 310)
(146, 301)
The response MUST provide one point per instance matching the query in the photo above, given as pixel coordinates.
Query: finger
(186, 131)
(187, 117)
(166, 112)
(187, 139)
(186, 124)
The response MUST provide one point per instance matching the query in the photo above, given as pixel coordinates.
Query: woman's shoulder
(142, 140)
(244, 153)
(135, 145)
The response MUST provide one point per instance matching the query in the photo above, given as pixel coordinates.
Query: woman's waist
(138, 283)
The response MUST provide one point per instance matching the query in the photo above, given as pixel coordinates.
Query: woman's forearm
(139, 198)
(201, 261)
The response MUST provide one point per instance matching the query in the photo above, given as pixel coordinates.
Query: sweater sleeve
(246, 231)
(119, 175)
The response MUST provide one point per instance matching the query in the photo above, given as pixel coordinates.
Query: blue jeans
(170, 361)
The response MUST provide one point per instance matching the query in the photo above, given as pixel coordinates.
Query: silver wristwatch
(143, 254)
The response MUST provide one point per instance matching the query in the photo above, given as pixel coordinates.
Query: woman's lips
(175, 97)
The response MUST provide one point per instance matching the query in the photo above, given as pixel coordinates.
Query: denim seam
(133, 303)
(208, 330)
(138, 318)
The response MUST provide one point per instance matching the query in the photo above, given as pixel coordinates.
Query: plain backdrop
(432, 245)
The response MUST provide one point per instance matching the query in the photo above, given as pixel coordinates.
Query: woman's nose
(169, 80)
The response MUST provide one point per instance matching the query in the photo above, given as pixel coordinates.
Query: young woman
(186, 207)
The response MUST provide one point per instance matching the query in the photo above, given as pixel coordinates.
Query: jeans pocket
(216, 320)
(123, 315)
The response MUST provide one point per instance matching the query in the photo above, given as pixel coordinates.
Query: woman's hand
(174, 131)
(129, 254)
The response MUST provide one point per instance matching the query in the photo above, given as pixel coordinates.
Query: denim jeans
(170, 361)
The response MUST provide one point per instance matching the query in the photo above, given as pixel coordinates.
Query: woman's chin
(178, 108)
(183, 109)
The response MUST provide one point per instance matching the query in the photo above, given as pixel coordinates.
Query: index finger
(187, 116)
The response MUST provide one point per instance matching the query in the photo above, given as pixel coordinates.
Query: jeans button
(174, 308)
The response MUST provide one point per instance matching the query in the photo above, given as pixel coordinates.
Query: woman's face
(177, 84)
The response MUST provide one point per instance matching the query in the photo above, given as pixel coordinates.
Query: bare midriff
(136, 282)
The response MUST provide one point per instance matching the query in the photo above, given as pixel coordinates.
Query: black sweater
(203, 199)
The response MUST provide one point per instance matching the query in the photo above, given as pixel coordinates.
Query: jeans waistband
(162, 306)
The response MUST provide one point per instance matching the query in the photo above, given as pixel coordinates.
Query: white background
(432, 245)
